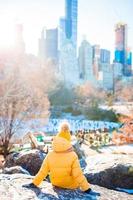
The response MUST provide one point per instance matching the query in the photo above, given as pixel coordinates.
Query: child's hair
(64, 126)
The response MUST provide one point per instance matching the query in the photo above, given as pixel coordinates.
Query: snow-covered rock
(11, 189)
(28, 160)
(110, 170)
(78, 150)
(15, 170)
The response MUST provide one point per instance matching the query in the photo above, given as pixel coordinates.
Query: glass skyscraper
(61, 33)
(121, 53)
(104, 56)
(71, 14)
(48, 44)
(51, 43)
(120, 43)
(68, 65)
(85, 61)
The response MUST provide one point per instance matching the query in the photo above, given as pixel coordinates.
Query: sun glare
(6, 33)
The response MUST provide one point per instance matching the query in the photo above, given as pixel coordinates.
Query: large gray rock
(78, 150)
(29, 160)
(80, 153)
(11, 189)
(15, 170)
(110, 170)
(32, 160)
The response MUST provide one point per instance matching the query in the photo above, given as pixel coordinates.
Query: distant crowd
(90, 126)
(95, 138)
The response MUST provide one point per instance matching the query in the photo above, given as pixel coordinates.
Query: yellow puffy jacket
(63, 167)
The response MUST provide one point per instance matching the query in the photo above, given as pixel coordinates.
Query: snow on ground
(94, 161)
(124, 149)
(125, 109)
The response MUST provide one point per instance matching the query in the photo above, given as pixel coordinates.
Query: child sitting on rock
(62, 164)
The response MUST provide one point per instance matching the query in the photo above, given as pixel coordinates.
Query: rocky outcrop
(11, 189)
(32, 160)
(107, 170)
(29, 160)
(110, 171)
(80, 153)
(15, 170)
(78, 150)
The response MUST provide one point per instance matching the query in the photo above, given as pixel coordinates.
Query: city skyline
(97, 22)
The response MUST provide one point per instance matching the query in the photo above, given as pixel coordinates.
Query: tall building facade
(85, 61)
(106, 76)
(129, 57)
(19, 40)
(48, 44)
(129, 61)
(120, 42)
(121, 52)
(41, 46)
(68, 65)
(117, 71)
(104, 56)
(61, 33)
(71, 16)
(52, 43)
(96, 60)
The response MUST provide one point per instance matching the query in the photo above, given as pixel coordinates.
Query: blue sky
(96, 20)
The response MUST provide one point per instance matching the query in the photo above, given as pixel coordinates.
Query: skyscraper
(41, 46)
(48, 44)
(19, 40)
(104, 56)
(52, 43)
(129, 61)
(96, 60)
(71, 14)
(68, 65)
(61, 32)
(107, 76)
(121, 52)
(120, 43)
(85, 61)
(117, 70)
(129, 57)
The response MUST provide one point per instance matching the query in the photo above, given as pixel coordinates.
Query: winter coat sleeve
(43, 172)
(78, 176)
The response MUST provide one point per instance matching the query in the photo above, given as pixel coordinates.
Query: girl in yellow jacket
(62, 164)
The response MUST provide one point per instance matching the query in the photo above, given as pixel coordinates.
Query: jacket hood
(65, 134)
(61, 145)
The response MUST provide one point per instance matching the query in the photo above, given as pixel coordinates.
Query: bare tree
(88, 95)
(23, 96)
(124, 92)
